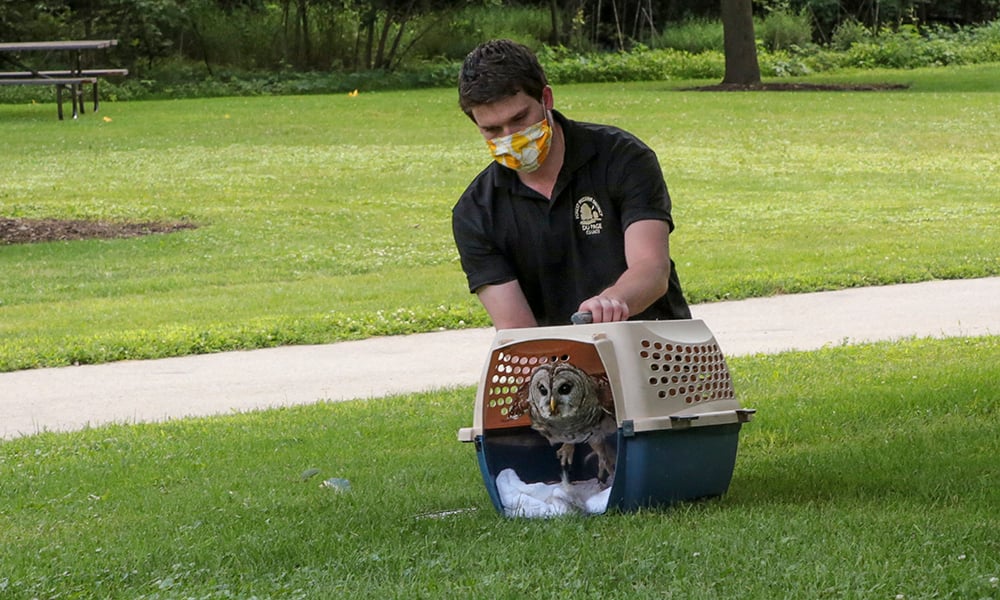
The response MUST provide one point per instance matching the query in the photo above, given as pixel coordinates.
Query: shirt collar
(578, 145)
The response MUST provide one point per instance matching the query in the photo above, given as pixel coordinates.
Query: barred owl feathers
(568, 406)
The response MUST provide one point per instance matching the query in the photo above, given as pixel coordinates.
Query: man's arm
(647, 254)
(506, 305)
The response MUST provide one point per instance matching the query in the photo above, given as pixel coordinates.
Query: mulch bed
(800, 87)
(28, 231)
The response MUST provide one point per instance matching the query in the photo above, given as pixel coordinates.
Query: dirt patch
(800, 87)
(29, 231)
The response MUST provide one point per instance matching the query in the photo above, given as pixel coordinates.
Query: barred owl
(568, 406)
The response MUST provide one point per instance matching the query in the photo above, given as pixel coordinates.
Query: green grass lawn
(869, 472)
(323, 218)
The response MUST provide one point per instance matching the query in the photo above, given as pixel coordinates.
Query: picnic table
(72, 78)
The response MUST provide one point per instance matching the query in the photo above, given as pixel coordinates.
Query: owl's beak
(553, 407)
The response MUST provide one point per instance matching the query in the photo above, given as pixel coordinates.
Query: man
(571, 217)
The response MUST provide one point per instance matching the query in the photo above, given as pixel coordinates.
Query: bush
(989, 33)
(782, 64)
(901, 49)
(695, 36)
(642, 64)
(848, 33)
(784, 30)
(467, 27)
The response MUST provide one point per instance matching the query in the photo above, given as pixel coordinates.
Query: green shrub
(694, 36)
(465, 28)
(904, 48)
(642, 64)
(782, 64)
(848, 33)
(240, 37)
(782, 29)
(980, 53)
(988, 33)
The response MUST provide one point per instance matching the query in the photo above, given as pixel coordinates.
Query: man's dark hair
(496, 70)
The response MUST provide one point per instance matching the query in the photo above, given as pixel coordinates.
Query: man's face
(511, 114)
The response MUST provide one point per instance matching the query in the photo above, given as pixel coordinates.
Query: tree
(386, 30)
(740, 43)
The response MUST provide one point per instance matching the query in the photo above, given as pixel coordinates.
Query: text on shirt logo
(589, 215)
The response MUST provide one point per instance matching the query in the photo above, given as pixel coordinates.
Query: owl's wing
(604, 396)
(521, 403)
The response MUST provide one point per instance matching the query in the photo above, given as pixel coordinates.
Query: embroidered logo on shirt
(589, 215)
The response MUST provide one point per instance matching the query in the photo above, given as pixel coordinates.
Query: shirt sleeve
(482, 260)
(644, 191)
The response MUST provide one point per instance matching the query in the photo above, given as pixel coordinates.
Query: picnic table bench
(65, 78)
(72, 79)
(73, 84)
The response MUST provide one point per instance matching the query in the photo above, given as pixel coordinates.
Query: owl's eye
(542, 389)
(565, 389)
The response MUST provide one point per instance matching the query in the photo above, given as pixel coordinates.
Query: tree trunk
(554, 39)
(383, 36)
(618, 27)
(391, 57)
(740, 44)
(286, 9)
(304, 24)
(370, 41)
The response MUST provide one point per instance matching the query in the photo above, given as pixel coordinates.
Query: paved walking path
(137, 391)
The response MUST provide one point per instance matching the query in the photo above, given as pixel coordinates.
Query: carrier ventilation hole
(690, 372)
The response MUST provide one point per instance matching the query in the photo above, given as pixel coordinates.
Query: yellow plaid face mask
(525, 150)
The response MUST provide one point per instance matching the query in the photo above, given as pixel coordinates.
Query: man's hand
(605, 309)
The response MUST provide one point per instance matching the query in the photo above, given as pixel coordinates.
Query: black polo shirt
(572, 248)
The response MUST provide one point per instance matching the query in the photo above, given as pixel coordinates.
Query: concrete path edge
(69, 398)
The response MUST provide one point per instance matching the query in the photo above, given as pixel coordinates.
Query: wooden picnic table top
(57, 45)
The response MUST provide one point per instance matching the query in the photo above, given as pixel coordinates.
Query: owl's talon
(605, 460)
(565, 454)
